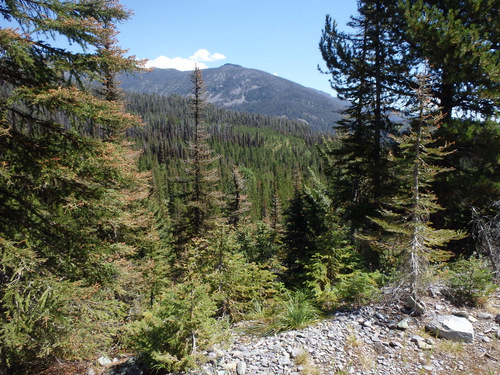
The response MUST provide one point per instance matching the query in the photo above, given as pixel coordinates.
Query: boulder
(451, 327)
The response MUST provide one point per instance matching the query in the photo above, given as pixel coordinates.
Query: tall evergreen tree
(67, 223)
(367, 69)
(201, 198)
(298, 237)
(238, 204)
(410, 239)
(461, 42)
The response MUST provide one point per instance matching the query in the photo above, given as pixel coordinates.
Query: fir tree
(411, 240)
(201, 198)
(69, 213)
(238, 205)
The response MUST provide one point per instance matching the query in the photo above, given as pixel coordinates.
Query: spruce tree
(68, 224)
(200, 197)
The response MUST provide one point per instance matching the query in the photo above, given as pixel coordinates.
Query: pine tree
(461, 42)
(367, 68)
(69, 213)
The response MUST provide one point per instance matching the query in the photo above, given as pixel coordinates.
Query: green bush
(359, 287)
(178, 328)
(470, 282)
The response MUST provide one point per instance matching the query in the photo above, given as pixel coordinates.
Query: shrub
(359, 287)
(470, 282)
(180, 325)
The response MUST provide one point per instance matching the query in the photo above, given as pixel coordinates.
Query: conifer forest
(133, 222)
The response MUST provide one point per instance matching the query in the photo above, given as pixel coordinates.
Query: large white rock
(451, 327)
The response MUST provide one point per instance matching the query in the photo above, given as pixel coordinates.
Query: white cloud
(183, 64)
(204, 55)
(178, 63)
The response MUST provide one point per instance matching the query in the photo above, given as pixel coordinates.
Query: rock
(396, 344)
(417, 306)
(451, 327)
(403, 325)
(484, 315)
(463, 314)
(104, 361)
(231, 366)
(421, 342)
(241, 368)
(128, 368)
(497, 319)
(284, 360)
(295, 352)
(380, 348)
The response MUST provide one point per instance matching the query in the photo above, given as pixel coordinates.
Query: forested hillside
(271, 154)
(144, 224)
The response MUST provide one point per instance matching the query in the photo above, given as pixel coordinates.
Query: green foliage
(265, 150)
(359, 287)
(178, 328)
(36, 321)
(470, 282)
(70, 195)
(337, 260)
(235, 283)
(460, 41)
(297, 310)
(260, 244)
(367, 68)
(410, 242)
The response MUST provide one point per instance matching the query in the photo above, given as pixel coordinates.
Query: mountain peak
(234, 87)
(231, 65)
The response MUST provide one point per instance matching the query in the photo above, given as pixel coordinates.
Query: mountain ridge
(237, 88)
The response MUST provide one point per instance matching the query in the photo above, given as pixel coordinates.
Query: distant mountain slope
(242, 89)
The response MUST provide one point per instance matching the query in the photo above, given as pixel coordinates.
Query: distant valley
(250, 90)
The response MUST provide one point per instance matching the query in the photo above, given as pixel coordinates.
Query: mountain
(237, 88)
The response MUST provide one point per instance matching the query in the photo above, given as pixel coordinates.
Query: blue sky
(276, 36)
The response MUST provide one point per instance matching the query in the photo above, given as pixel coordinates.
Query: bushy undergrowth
(470, 282)
(180, 325)
(359, 287)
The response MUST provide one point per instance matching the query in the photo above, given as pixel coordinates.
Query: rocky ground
(375, 339)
